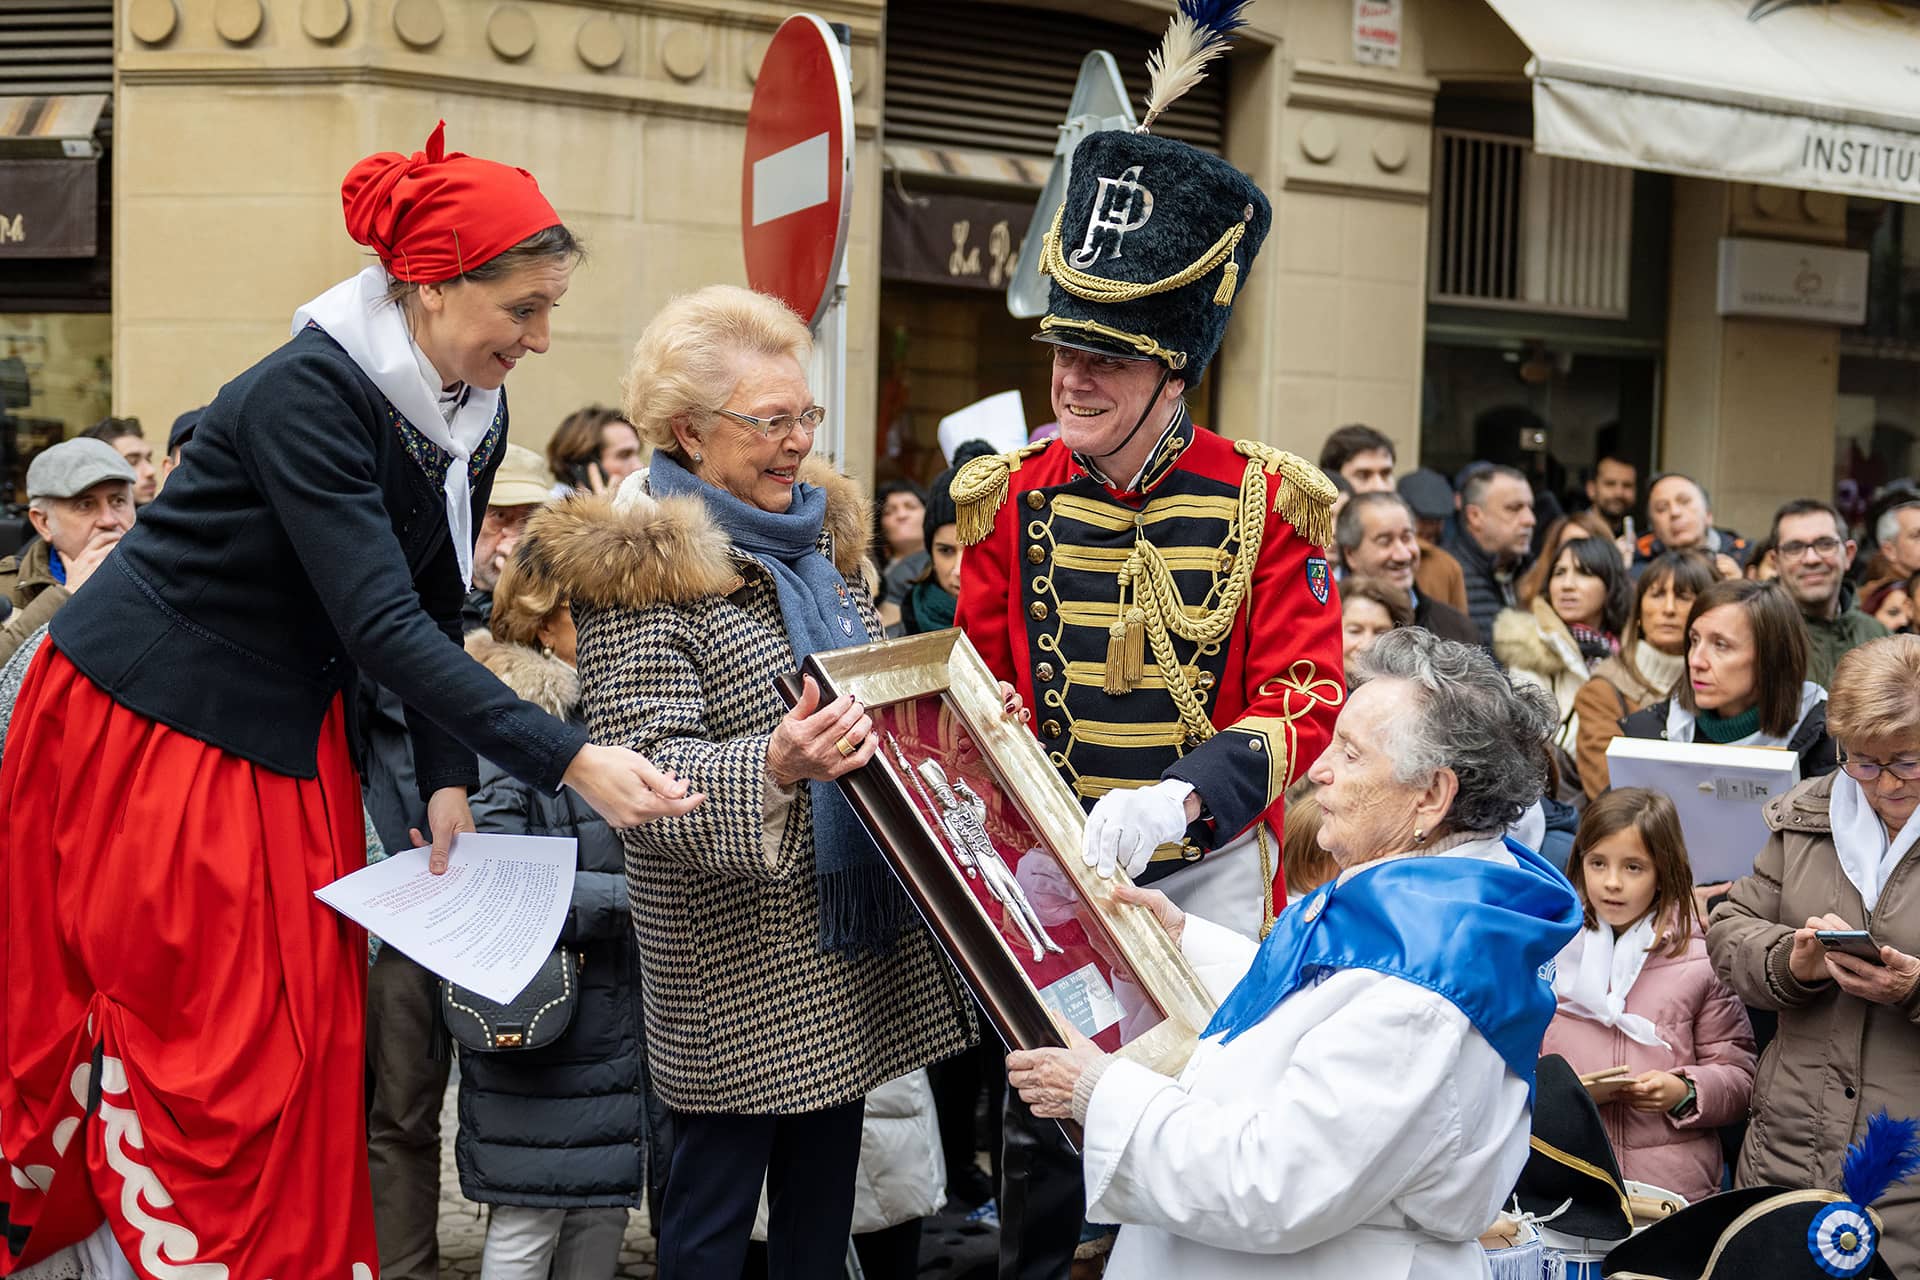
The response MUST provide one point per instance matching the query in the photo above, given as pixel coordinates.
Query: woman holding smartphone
(1840, 859)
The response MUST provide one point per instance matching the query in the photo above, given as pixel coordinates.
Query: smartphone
(1857, 943)
(1626, 529)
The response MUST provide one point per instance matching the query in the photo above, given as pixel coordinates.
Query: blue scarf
(1479, 933)
(861, 906)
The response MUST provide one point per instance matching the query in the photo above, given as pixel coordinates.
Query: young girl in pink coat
(1636, 990)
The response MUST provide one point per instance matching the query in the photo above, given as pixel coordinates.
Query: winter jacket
(1489, 589)
(27, 582)
(1615, 691)
(1830, 639)
(681, 639)
(561, 1126)
(1712, 1045)
(1536, 648)
(1440, 577)
(1809, 738)
(1647, 548)
(1837, 1059)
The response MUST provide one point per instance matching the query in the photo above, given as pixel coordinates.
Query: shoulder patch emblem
(1319, 578)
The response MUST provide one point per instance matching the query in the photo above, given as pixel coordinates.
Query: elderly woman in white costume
(1359, 1105)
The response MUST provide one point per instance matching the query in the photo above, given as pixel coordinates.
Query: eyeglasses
(780, 425)
(1820, 546)
(1867, 770)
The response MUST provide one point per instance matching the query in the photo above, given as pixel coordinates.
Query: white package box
(1719, 792)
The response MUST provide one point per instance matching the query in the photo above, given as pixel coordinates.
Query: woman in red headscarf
(181, 1026)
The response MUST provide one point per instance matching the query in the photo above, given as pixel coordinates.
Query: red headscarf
(436, 215)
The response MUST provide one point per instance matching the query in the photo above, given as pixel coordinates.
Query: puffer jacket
(1711, 1044)
(1535, 647)
(1837, 1059)
(681, 640)
(562, 1126)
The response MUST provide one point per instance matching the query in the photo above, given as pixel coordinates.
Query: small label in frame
(1084, 999)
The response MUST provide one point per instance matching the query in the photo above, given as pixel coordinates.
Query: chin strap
(1158, 387)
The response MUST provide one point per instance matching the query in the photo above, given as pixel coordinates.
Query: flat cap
(74, 466)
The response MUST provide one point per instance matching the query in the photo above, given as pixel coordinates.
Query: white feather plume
(1178, 64)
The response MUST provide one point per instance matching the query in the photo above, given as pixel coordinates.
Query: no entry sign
(797, 179)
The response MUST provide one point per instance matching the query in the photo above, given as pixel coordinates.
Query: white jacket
(1364, 1129)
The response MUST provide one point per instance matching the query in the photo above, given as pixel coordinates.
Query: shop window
(1878, 414)
(55, 381)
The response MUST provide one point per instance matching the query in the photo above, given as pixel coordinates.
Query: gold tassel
(1115, 682)
(1136, 647)
(1229, 279)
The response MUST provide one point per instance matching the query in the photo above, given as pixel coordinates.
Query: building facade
(1428, 261)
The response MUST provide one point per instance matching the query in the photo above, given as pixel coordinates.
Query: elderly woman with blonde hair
(787, 973)
(1840, 857)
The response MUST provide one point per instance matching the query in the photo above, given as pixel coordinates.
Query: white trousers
(561, 1244)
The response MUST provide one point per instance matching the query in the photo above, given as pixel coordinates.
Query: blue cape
(1479, 933)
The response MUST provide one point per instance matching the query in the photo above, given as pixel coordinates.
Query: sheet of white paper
(487, 924)
(1000, 420)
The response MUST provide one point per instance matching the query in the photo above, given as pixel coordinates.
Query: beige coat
(1536, 647)
(1615, 691)
(680, 641)
(1837, 1059)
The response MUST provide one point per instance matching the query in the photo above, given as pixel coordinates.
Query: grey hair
(1473, 490)
(1469, 718)
(1887, 528)
(1347, 530)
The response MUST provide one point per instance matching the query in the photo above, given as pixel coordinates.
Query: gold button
(1051, 728)
(1206, 680)
(1044, 671)
(1037, 610)
(1036, 499)
(1036, 554)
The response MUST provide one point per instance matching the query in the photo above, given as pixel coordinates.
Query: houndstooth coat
(680, 641)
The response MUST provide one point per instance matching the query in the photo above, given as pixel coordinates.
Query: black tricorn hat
(1756, 1231)
(1571, 1160)
(1780, 1233)
(1149, 250)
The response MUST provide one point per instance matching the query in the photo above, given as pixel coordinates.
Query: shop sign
(1376, 32)
(1777, 279)
(951, 239)
(49, 208)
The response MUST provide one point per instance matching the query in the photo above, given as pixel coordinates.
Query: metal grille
(987, 77)
(56, 46)
(1513, 228)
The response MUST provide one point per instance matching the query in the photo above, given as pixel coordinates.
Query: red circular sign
(797, 177)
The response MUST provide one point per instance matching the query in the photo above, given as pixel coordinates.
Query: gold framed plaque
(985, 836)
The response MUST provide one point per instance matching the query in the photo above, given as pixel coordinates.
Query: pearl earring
(696, 455)
(1419, 836)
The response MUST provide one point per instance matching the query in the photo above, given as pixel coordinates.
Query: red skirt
(182, 1026)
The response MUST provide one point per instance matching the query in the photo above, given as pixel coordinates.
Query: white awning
(1822, 95)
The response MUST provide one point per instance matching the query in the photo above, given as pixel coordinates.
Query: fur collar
(635, 550)
(546, 682)
(1536, 640)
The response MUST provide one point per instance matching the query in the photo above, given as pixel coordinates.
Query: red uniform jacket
(1040, 590)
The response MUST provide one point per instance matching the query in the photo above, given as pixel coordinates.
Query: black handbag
(533, 1019)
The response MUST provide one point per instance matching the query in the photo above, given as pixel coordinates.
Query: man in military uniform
(1158, 594)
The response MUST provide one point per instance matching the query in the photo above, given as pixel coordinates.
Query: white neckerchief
(1594, 973)
(1860, 838)
(1680, 721)
(356, 314)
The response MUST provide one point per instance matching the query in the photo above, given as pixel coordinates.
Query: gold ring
(846, 748)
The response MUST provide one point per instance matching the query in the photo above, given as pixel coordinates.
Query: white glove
(1125, 827)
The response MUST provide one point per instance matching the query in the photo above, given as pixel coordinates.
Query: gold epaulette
(980, 490)
(1305, 497)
